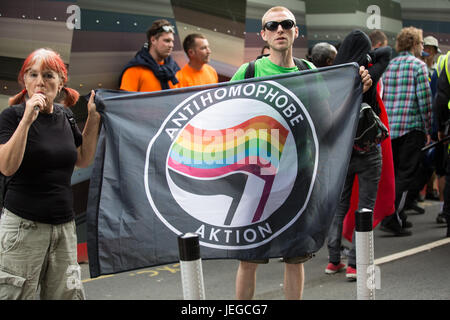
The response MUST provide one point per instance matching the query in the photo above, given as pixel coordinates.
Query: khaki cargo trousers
(36, 256)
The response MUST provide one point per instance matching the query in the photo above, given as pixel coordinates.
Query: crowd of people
(417, 110)
(40, 144)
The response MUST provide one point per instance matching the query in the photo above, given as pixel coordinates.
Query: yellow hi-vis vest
(442, 64)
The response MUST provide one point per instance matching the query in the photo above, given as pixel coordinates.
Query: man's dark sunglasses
(285, 24)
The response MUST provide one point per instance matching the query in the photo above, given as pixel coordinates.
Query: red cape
(385, 203)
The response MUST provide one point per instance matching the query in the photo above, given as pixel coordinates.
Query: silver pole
(191, 267)
(365, 268)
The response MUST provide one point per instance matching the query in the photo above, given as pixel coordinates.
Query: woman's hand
(92, 108)
(32, 107)
(86, 151)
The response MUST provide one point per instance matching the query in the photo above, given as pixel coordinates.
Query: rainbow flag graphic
(253, 147)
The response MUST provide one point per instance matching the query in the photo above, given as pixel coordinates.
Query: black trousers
(406, 152)
(446, 208)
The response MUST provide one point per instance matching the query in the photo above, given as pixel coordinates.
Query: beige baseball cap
(431, 41)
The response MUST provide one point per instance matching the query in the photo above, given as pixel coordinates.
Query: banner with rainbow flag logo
(254, 167)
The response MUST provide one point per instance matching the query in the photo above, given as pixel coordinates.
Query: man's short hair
(321, 52)
(277, 8)
(157, 29)
(377, 36)
(408, 38)
(189, 41)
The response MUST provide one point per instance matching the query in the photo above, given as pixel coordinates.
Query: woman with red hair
(39, 148)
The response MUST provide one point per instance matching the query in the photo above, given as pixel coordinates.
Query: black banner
(254, 167)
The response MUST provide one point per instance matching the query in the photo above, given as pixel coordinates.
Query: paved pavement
(415, 267)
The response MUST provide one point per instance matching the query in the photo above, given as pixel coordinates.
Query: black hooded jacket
(356, 47)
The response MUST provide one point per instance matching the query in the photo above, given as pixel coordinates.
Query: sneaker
(407, 224)
(440, 218)
(332, 268)
(350, 274)
(415, 207)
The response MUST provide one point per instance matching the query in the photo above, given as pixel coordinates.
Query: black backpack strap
(250, 71)
(70, 118)
(73, 125)
(302, 64)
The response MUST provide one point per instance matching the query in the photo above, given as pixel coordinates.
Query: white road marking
(412, 251)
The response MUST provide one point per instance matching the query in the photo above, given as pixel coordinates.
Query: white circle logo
(235, 164)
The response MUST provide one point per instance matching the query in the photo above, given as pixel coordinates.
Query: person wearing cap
(152, 68)
(431, 171)
(431, 47)
(430, 52)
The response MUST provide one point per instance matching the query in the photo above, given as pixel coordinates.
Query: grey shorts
(294, 260)
(37, 255)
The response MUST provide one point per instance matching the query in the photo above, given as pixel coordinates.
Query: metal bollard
(365, 269)
(191, 267)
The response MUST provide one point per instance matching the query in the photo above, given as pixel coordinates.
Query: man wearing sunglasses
(152, 68)
(279, 30)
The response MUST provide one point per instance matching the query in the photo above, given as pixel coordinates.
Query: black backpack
(370, 131)
(19, 113)
(300, 63)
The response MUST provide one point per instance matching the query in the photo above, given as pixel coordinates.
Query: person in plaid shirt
(408, 100)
